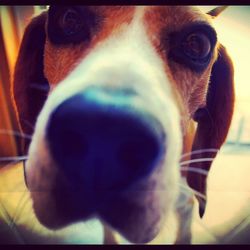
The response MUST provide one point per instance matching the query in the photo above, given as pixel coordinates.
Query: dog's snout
(102, 142)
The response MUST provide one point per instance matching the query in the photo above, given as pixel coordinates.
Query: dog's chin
(47, 212)
(138, 221)
(140, 230)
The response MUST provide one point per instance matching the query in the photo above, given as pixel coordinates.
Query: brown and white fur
(128, 48)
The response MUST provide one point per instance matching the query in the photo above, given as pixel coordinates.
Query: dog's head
(112, 93)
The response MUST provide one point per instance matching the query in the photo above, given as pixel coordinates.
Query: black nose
(102, 141)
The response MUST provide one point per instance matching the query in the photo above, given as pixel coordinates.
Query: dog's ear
(216, 11)
(30, 87)
(213, 123)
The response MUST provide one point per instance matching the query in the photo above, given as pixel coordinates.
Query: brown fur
(59, 61)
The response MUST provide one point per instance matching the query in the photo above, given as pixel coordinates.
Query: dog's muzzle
(103, 142)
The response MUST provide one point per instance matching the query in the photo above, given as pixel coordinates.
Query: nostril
(74, 144)
(68, 145)
(137, 154)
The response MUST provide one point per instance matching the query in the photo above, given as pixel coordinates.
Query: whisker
(15, 133)
(180, 205)
(41, 87)
(13, 158)
(195, 170)
(200, 151)
(196, 161)
(28, 124)
(186, 188)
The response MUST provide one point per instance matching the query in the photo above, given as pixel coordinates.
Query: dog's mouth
(137, 212)
(109, 162)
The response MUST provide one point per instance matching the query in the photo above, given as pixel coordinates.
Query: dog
(115, 97)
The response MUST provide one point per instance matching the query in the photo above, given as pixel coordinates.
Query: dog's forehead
(176, 15)
(107, 14)
(173, 16)
(154, 19)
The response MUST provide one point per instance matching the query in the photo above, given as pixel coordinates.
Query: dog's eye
(196, 46)
(71, 25)
(192, 46)
(71, 22)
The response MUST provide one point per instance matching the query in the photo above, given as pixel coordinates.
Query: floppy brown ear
(213, 122)
(30, 87)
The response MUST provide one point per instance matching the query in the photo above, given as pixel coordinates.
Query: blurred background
(228, 213)
(13, 20)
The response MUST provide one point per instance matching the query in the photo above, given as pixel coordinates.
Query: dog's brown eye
(196, 46)
(71, 22)
(192, 46)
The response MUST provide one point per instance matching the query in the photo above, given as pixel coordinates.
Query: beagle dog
(128, 106)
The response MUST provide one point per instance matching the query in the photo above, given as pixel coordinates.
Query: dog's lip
(69, 211)
(138, 222)
(136, 232)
